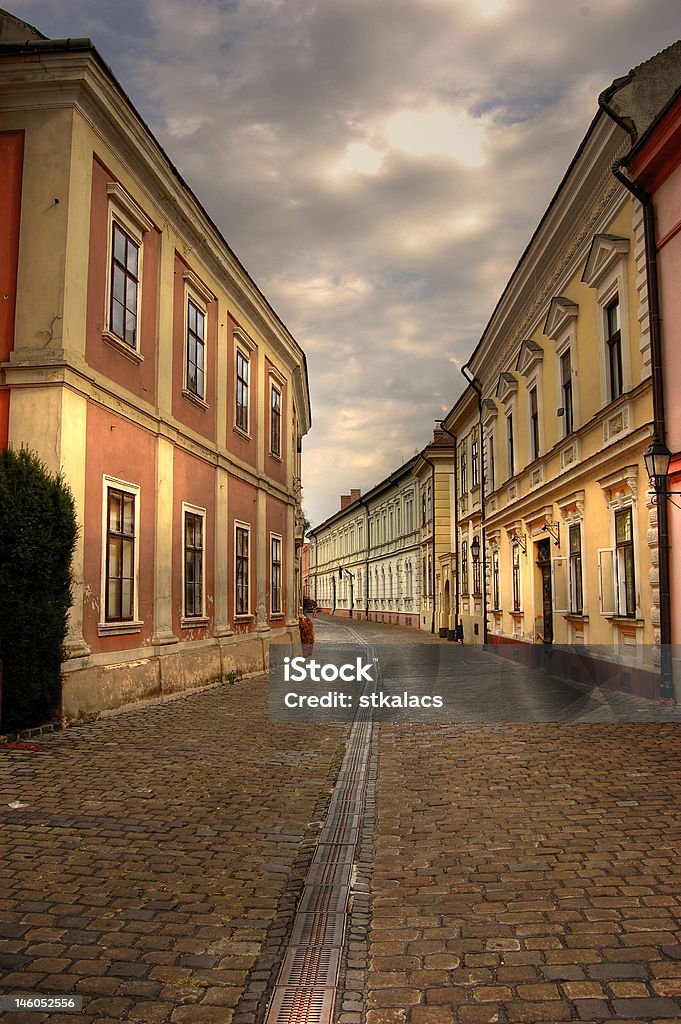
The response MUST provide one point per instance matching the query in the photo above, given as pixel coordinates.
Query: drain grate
(318, 930)
(301, 1006)
(311, 966)
(327, 899)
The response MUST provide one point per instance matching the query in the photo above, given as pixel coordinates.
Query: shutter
(606, 581)
(559, 581)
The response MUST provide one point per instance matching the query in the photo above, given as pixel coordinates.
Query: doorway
(544, 566)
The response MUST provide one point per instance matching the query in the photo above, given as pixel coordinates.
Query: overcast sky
(377, 165)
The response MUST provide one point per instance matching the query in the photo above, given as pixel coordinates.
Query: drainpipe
(366, 588)
(432, 560)
(659, 431)
(475, 384)
(456, 523)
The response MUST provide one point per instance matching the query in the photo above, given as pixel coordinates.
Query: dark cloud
(378, 167)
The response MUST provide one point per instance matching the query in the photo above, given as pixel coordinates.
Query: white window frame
(277, 612)
(124, 211)
(560, 587)
(511, 471)
(242, 616)
(187, 621)
(122, 626)
(244, 346)
(534, 384)
(568, 342)
(612, 286)
(196, 293)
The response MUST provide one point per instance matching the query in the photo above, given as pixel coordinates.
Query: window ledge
(575, 617)
(241, 432)
(195, 399)
(276, 615)
(516, 614)
(630, 619)
(277, 458)
(197, 622)
(118, 628)
(247, 617)
(121, 346)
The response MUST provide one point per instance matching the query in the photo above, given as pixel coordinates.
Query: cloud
(378, 168)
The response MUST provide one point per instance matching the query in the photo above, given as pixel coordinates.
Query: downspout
(659, 429)
(366, 588)
(432, 560)
(475, 384)
(456, 522)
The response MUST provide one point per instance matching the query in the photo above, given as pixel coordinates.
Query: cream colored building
(560, 412)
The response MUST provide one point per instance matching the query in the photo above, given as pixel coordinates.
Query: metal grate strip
(301, 1005)
(318, 930)
(326, 899)
(311, 966)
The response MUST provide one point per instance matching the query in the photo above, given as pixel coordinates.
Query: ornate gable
(489, 411)
(529, 357)
(561, 312)
(506, 387)
(604, 253)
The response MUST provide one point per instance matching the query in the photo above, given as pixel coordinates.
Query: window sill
(247, 617)
(241, 432)
(276, 615)
(118, 628)
(199, 622)
(121, 346)
(195, 399)
(575, 617)
(277, 458)
(516, 614)
(631, 620)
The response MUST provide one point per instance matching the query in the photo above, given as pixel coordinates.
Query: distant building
(373, 559)
(139, 358)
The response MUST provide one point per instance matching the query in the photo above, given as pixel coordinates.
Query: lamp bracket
(553, 529)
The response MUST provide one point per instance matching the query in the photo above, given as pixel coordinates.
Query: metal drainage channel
(306, 987)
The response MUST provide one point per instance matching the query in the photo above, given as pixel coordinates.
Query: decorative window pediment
(506, 387)
(571, 507)
(561, 312)
(489, 411)
(604, 253)
(620, 487)
(537, 520)
(529, 357)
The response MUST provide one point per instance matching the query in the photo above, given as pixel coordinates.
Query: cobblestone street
(522, 872)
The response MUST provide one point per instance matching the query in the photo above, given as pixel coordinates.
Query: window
(241, 568)
(429, 502)
(614, 343)
(193, 562)
(464, 567)
(576, 598)
(477, 588)
(196, 341)
(566, 384)
(624, 553)
(516, 578)
(496, 596)
(509, 444)
(534, 423)
(410, 581)
(275, 421)
(490, 449)
(123, 308)
(464, 472)
(120, 555)
(423, 508)
(475, 471)
(242, 372)
(275, 577)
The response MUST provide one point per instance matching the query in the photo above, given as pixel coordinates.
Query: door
(544, 564)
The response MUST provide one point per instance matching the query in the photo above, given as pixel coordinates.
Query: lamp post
(657, 460)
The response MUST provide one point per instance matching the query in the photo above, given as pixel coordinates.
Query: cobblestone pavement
(526, 872)
(151, 861)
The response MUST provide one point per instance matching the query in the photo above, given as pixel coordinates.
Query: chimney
(347, 499)
(440, 437)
